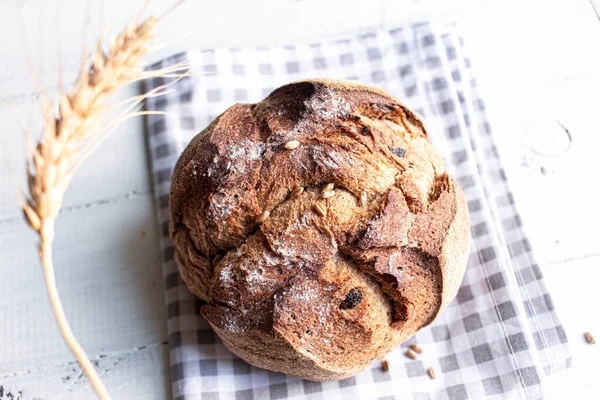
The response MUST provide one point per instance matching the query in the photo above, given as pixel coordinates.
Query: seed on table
(416, 348)
(292, 144)
(262, 217)
(590, 339)
(385, 365)
(297, 192)
(431, 373)
(320, 209)
(411, 354)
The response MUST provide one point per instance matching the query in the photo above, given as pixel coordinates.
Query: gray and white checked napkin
(500, 338)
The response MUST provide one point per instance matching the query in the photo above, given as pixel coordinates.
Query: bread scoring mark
(440, 185)
(396, 113)
(218, 257)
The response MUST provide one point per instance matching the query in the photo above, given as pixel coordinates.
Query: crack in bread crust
(383, 233)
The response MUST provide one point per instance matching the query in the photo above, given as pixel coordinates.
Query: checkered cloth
(499, 338)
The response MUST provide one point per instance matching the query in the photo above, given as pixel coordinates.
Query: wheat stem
(45, 250)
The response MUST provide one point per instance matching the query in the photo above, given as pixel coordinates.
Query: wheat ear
(73, 126)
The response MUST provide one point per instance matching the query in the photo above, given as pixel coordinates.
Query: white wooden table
(538, 63)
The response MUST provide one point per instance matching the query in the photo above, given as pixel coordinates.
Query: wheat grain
(431, 373)
(385, 366)
(70, 135)
(292, 144)
(262, 217)
(327, 194)
(319, 207)
(416, 348)
(590, 338)
(411, 354)
(296, 192)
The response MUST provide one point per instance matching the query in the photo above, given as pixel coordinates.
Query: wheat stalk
(73, 126)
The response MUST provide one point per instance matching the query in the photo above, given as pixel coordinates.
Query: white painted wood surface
(538, 62)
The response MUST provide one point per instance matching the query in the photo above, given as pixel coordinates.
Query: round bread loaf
(320, 226)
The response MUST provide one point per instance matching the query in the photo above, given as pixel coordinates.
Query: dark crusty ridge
(313, 295)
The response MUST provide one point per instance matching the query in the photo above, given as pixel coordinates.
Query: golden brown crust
(455, 250)
(318, 282)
